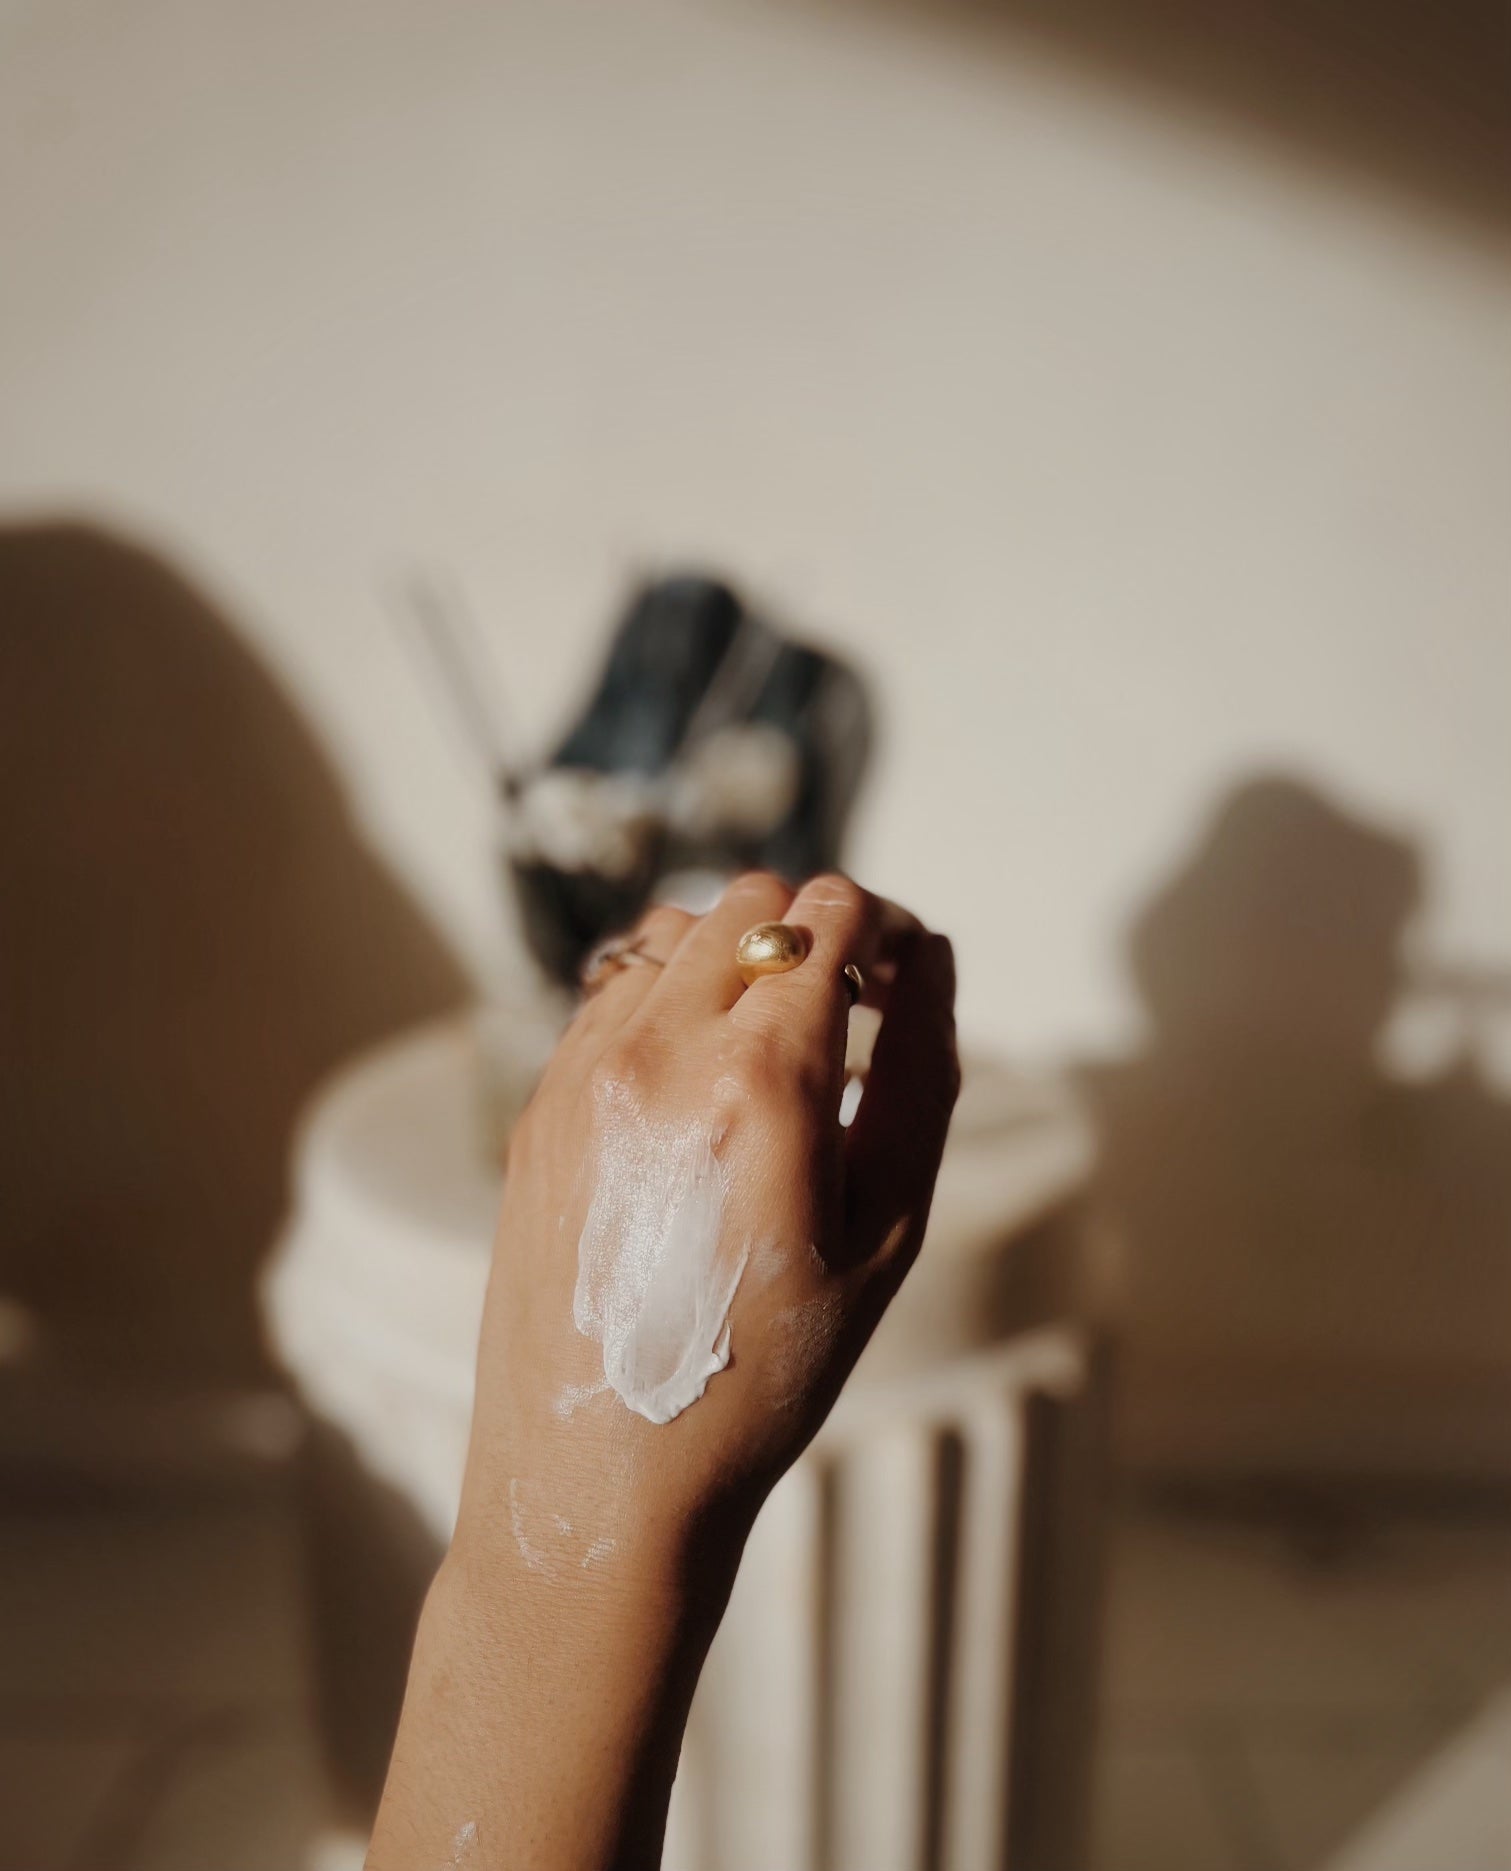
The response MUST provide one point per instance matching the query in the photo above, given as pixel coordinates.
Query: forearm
(544, 1714)
(598, 1538)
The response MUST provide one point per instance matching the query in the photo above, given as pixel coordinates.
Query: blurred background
(1121, 398)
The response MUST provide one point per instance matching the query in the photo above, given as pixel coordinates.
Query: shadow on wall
(1318, 1253)
(191, 934)
(1417, 96)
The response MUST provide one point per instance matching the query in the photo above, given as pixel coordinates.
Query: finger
(622, 986)
(809, 1006)
(894, 1146)
(704, 972)
(897, 929)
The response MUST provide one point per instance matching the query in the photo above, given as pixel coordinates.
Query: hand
(692, 1253)
(694, 1122)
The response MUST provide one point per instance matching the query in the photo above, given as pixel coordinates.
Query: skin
(594, 1551)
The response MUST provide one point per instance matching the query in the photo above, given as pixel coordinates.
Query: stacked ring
(611, 957)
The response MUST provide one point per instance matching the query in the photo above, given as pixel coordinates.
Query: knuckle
(621, 1063)
(812, 1078)
(762, 1073)
(773, 1067)
(761, 884)
(730, 1101)
(663, 927)
(839, 894)
(751, 1068)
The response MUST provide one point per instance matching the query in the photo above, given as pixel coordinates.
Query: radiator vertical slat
(883, 1620)
(979, 1738)
(763, 1690)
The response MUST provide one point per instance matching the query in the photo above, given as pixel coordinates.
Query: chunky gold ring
(855, 981)
(611, 957)
(769, 948)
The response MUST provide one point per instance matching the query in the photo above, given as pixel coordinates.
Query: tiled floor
(1263, 1713)
(153, 1687)
(1261, 1709)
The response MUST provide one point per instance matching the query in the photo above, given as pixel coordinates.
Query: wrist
(548, 1710)
(586, 1542)
(506, 1601)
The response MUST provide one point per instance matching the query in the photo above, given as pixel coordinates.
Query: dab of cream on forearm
(655, 1278)
(462, 1846)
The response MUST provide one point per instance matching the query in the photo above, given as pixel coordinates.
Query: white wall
(1128, 454)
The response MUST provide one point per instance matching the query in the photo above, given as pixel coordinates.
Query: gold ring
(612, 956)
(855, 981)
(769, 948)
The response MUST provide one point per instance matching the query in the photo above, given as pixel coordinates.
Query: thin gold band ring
(612, 957)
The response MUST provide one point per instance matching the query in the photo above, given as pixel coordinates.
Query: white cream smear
(532, 1554)
(462, 1845)
(654, 1285)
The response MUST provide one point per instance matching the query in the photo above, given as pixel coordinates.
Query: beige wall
(1135, 455)
(1131, 454)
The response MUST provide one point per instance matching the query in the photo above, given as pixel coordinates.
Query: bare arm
(692, 1254)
